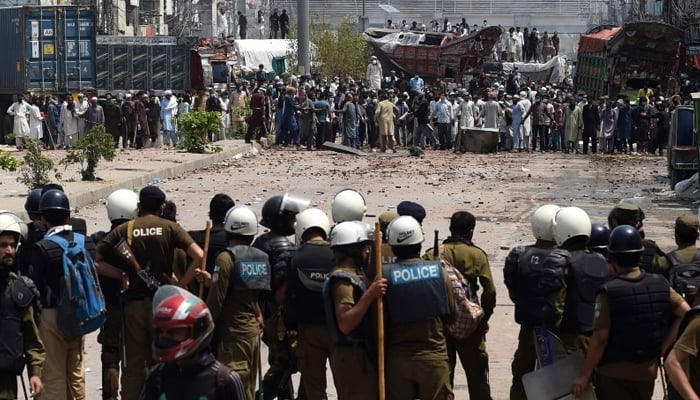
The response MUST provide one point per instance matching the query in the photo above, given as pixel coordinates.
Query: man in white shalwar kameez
(374, 74)
(20, 110)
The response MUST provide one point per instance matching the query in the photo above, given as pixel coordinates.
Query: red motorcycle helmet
(174, 309)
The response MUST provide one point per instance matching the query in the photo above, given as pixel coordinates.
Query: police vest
(252, 269)
(313, 265)
(111, 288)
(540, 273)
(639, 316)
(588, 271)
(279, 250)
(19, 294)
(359, 287)
(35, 232)
(416, 291)
(646, 260)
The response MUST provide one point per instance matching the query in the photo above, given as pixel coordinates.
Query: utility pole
(303, 36)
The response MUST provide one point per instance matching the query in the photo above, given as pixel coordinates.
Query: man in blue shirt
(443, 112)
(416, 83)
(322, 109)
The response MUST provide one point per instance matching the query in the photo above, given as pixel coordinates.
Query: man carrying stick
(348, 298)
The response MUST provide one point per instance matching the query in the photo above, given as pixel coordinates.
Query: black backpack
(684, 278)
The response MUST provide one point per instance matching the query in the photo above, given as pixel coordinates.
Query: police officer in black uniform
(631, 214)
(534, 276)
(587, 272)
(304, 310)
(218, 207)
(598, 242)
(630, 327)
(279, 215)
(122, 206)
(35, 230)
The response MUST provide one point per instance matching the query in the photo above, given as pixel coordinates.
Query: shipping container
(47, 49)
(140, 63)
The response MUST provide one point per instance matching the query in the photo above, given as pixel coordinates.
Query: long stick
(207, 236)
(380, 310)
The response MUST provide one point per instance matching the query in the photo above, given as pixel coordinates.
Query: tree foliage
(95, 145)
(34, 171)
(193, 128)
(339, 52)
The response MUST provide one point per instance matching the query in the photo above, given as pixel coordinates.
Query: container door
(80, 53)
(158, 65)
(121, 67)
(179, 67)
(42, 49)
(140, 68)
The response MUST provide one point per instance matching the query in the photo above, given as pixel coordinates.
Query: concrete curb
(116, 175)
(89, 192)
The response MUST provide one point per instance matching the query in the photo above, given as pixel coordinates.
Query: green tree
(341, 52)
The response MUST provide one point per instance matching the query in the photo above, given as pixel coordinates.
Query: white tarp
(554, 70)
(253, 52)
(389, 41)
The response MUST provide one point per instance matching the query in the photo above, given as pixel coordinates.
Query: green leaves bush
(193, 128)
(94, 146)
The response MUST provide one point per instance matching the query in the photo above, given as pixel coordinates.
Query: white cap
(168, 92)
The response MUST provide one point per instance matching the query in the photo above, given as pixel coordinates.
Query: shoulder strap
(129, 232)
(672, 257)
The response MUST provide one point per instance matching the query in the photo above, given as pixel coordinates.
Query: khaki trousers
(139, 339)
(63, 371)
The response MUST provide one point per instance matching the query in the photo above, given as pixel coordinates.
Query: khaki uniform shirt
(689, 343)
(234, 312)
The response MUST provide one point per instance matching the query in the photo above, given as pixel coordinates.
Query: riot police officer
(18, 331)
(348, 295)
(587, 271)
(122, 206)
(279, 215)
(534, 276)
(35, 230)
(304, 314)
(241, 275)
(631, 214)
(419, 296)
(685, 235)
(598, 242)
(348, 205)
(219, 205)
(631, 315)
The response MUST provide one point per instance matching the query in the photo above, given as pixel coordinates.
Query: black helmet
(31, 205)
(54, 200)
(600, 234)
(279, 210)
(625, 239)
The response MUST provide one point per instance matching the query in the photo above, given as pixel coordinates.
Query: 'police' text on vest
(253, 270)
(415, 273)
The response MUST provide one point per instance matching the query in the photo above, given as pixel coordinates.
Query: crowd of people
(199, 303)
(379, 112)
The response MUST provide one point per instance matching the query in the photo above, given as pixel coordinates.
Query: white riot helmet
(312, 218)
(404, 231)
(542, 221)
(122, 204)
(348, 205)
(10, 222)
(570, 222)
(350, 232)
(241, 220)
